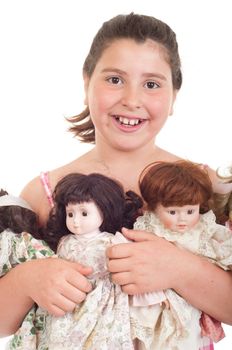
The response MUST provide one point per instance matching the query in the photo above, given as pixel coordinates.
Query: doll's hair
(138, 28)
(15, 216)
(118, 209)
(176, 184)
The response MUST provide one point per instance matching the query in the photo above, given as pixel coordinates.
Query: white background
(42, 48)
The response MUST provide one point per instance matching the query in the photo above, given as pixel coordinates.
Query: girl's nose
(131, 98)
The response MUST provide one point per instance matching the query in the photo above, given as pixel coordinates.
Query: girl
(178, 198)
(88, 211)
(132, 76)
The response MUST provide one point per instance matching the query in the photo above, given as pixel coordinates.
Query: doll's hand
(145, 265)
(54, 284)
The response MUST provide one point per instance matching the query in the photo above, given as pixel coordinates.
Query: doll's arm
(151, 263)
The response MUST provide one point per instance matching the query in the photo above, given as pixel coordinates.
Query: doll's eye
(70, 215)
(190, 211)
(84, 213)
(172, 212)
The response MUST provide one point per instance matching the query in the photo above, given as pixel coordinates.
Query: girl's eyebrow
(121, 72)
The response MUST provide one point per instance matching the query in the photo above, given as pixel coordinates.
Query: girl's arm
(152, 263)
(14, 303)
(54, 284)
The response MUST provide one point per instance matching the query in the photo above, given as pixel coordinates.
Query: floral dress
(101, 321)
(177, 327)
(16, 249)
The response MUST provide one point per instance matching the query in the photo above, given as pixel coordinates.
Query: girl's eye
(172, 212)
(190, 211)
(151, 85)
(114, 80)
(70, 215)
(84, 213)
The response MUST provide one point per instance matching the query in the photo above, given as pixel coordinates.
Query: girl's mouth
(128, 122)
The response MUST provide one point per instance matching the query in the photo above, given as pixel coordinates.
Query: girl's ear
(86, 85)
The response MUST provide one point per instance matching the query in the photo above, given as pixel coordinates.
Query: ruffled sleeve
(216, 243)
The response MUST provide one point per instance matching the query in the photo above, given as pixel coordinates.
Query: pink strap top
(47, 187)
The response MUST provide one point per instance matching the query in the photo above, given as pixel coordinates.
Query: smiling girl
(131, 77)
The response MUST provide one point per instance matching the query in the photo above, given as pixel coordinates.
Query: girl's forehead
(122, 44)
(131, 56)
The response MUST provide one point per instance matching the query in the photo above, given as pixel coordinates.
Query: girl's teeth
(127, 121)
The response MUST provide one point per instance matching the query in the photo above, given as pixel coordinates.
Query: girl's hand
(54, 284)
(144, 265)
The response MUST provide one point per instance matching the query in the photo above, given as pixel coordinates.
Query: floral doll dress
(101, 321)
(16, 249)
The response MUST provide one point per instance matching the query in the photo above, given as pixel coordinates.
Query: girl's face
(178, 219)
(130, 94)
(82, 218)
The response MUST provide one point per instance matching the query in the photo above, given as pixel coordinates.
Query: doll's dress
(16, 249)
(160, 328)
(101, 321)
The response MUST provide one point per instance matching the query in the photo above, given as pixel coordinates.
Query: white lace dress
(177, 327)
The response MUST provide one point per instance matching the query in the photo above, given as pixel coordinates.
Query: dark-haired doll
(178, 197)
(88, 213)
(18, 233)
(19, 243)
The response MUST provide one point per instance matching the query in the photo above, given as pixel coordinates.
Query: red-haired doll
(178, 199)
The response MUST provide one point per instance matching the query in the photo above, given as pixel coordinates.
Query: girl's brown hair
(135, 27)
(176, 184)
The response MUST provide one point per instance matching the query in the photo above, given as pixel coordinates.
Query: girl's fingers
(138, 236)
(119, 265)
(118, 251)
(78, 281)
(122, 278)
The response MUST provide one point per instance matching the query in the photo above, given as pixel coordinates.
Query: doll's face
(178, 219)
(82, 218)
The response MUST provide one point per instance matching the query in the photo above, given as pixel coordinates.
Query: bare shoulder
(34, 192)
(162, 154)
(35, 195)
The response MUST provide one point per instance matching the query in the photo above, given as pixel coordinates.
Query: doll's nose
(76, 222)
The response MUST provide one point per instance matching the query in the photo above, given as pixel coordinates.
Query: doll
(88, 212)
(18, 233)
(223, 202)
(178, 199)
